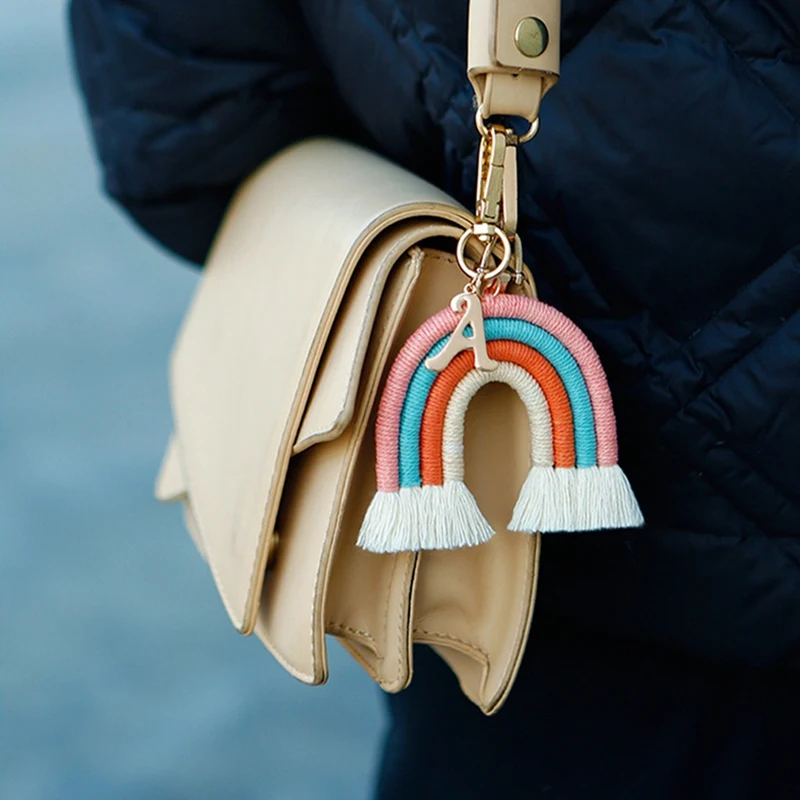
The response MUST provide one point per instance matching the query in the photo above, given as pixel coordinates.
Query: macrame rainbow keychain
(484, 336)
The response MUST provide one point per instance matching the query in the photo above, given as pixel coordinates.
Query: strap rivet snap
(531, 37)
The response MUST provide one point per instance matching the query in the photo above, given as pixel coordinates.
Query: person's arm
(184, 105)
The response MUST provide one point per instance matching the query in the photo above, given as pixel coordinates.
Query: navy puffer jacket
(660, 209)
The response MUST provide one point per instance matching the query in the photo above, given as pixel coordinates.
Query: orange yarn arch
(537, 366)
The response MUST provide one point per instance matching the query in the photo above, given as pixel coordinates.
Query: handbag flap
(330, 406)
(248, 351)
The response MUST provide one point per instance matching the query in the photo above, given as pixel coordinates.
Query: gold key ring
(480, 124)
(482, 275)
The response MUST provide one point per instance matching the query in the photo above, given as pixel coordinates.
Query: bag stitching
(339, 626)
(450, 638)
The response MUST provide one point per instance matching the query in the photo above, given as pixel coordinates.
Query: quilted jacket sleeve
(184, 105)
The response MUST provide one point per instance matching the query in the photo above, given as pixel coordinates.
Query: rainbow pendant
(574, 483)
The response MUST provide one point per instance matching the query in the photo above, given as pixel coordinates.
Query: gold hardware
(531, 37)
(468, 305)
(529, 134)
(496, 194)
(510, 192)
(483, 275)
(484, 230)
(491, 159)
(496, 200)
(512, 138)
(519, 275)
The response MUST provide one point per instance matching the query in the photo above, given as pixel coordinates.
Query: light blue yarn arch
(516, 330)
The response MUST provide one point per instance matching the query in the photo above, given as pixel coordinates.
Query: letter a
(470, 305)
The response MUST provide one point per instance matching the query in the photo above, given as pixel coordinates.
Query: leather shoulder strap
(513, 54)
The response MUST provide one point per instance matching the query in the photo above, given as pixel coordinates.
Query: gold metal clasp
(491, 166)
(496, 200)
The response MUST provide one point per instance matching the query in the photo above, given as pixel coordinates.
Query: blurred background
(120, 675)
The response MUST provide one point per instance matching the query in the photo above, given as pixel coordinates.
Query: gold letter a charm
(469, 305)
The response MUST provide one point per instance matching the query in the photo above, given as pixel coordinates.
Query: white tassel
(381, 522)
(545, 502)
(423, 518)
(465, 524)
(575, 499)
(610, 494)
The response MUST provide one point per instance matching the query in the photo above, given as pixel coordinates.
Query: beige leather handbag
(274, 380)
(328, 260)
